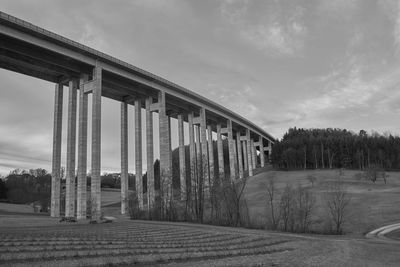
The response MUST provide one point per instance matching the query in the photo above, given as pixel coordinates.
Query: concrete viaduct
(30, 50)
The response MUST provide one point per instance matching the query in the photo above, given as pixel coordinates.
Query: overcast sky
(280, 64)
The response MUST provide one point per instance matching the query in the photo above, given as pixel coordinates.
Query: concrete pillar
(253, 153)
(245, 160)
(270, 148)
(138, 152)
(231, 148)
(182, 158)
(211, 156)
(56, 162)
(96, 144)
(71, 145)
(220, 148)
(249, 154)
(82, 151)
(199, 169)
(262, 153)
(124, 158)
(240, 155)
(192, 155)
(150, 154)
(165, 150)
(204, 153)
(235, 155)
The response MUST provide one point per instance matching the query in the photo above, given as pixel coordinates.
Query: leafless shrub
(311, 179)
(374, 173)
(133, 207)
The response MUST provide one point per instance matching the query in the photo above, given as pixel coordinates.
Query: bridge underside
(29, 50)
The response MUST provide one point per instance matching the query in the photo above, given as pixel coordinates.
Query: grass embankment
(372, 205)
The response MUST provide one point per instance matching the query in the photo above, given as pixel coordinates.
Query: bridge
(31, 50)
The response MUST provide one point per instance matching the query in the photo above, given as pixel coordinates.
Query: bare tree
(305, 207)
(337, 201)
(271, 195)
(287, 209)
(233, 202)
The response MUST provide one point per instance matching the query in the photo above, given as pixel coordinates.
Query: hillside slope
(372, 204)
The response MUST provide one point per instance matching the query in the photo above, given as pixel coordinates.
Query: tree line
(336, 148)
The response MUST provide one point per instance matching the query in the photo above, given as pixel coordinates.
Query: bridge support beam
(124, 158)
(220, 148)
(165, 151)
(253, 153)
(211, 156)
(239, 153)
(231, 149)
(138, 152)
(262, 153)
(150, 155)
(245, 160)
(204, 154)
(82, 151)
(71, 146)
(182, 158)
(199, 169)
(56, 162)
(96, 144)
(192, 156)
(249, 153)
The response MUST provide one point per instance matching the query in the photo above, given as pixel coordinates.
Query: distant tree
(107, 180)
(3, 189)
(336, 148)
(28, 186)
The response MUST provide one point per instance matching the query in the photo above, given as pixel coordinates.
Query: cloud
(338, 9)
(347, 95)
(280, 32)
(397, 31)
(275, 39)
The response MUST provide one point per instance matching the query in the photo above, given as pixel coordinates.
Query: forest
(336, 148)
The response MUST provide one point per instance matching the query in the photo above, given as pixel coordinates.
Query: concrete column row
(203, 175)
(75, 202)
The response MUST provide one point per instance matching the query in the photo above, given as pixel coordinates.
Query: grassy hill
(372, 205)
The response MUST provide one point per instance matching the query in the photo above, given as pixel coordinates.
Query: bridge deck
(31, 50)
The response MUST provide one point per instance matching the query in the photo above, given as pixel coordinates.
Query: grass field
(372, 205)
(28, 239)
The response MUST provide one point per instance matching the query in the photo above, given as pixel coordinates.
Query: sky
(278, 63)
